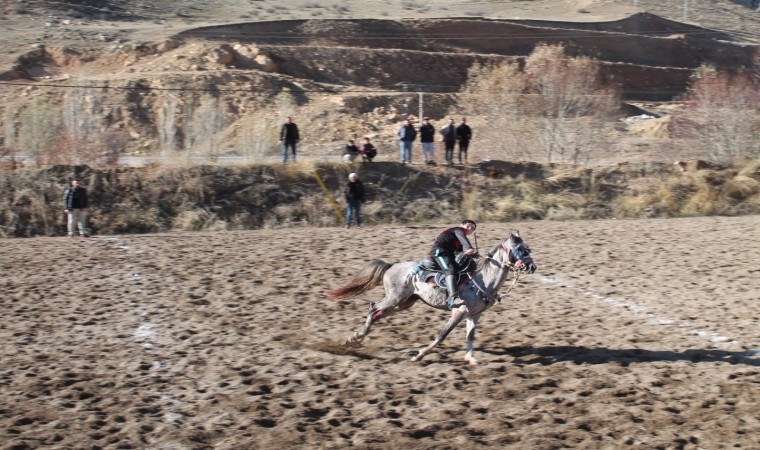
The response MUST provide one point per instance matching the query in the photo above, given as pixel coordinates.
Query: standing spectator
(75, 204)
(289, 138)
(427, 137)
(449, 133)
(464, 134)
(406, 135)
(367, 150)
(354, 192)
(351, 151)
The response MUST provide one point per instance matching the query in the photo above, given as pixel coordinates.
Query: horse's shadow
(580, 355)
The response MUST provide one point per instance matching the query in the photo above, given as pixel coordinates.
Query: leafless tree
(722, 121)
(555, 108)
(210, 122)
(167, 126)
(257, 137)
(82, 110)
(39, 131)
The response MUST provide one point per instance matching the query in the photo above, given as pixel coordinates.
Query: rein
(504, 264)
(514, 282)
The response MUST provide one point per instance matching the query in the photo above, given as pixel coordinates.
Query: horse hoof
(354, 341)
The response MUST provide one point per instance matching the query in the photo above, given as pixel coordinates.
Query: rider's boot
(453, 301)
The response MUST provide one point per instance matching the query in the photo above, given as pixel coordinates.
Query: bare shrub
(167, 127)
(197, 220)
(39, 129)
(699, 193)
(722, 122)
(10, 131)
(203, 120)
(554, 109)
(209, 120)
(257, 137)
(94, 151)
(82, 130)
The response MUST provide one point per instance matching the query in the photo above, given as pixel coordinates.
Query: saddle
(428, 270)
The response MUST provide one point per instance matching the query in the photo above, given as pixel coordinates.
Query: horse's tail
(370, 276)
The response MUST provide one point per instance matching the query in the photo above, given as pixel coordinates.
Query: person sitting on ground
(368, 151)
(351, 151)
(445, 247)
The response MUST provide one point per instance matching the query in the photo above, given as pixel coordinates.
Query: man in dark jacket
(75, 204)
(289, 138)
(445, 247)
(406, 134)
(427, 137)
(464, 134)
(449, 134)
(354, 193)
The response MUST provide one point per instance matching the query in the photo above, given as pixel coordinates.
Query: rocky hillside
(342, 76)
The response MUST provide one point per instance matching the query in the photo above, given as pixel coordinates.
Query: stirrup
(454, 302)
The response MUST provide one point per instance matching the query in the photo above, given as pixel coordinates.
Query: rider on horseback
(444, 250)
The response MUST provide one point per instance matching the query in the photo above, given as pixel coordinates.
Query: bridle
(518, 251)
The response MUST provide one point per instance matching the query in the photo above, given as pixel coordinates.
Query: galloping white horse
(403, 289)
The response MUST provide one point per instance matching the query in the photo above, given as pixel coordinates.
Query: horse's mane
(481, 263)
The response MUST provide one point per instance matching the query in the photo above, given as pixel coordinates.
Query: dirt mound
(345, 78)
(650, 57)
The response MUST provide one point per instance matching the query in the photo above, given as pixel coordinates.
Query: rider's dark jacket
(446, 245)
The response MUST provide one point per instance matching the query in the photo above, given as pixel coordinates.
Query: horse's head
(518, 253)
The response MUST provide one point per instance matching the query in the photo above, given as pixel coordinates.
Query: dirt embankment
(155, 199)
(332, 69)
(435, 54)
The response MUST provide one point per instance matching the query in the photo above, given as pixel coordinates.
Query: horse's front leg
(456, 316)
(472, 323)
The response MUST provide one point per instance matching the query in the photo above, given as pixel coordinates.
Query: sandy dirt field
(632, 334)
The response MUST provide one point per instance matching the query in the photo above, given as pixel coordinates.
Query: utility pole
(422, 109)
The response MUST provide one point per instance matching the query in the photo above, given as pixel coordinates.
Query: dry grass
(700, 193)
(159, 198)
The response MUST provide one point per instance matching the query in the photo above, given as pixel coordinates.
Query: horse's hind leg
(374, 314)
(456, 316)
(385, 308)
